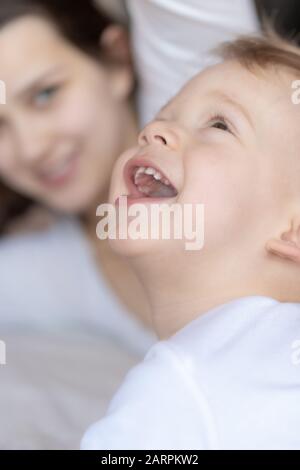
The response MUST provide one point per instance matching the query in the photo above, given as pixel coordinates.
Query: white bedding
(54, 386)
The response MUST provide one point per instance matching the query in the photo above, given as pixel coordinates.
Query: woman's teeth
(58, 170)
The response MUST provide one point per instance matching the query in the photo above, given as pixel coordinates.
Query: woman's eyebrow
(227, 100)
(31, 83)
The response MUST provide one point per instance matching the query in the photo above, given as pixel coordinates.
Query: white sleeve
(156, 407)
(172, 38)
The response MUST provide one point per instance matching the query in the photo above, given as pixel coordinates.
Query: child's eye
(219, 122)
(44, 96)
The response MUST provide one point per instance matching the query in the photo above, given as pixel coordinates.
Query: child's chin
(131, 248)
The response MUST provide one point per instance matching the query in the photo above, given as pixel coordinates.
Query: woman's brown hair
(79, 21)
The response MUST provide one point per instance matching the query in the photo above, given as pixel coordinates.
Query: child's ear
(288, 245)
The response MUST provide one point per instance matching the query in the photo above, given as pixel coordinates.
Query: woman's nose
(160, 133)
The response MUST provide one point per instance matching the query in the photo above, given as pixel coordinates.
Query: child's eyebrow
(216, 94)
(226, 99)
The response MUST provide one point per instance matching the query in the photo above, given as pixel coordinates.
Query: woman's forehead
(29, 47)
(27, 37)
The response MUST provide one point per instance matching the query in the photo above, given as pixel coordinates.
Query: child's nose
(159, 133)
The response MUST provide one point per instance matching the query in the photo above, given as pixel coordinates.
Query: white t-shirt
(230, 379)
(172, 40)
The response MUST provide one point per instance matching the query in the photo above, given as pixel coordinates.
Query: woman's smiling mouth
(59, 173)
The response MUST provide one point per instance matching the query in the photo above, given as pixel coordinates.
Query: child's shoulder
(236, 319)
(214, 384)
(255, 330)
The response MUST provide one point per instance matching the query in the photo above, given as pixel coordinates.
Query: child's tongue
(154, 188)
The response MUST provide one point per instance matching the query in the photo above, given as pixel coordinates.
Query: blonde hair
(262, 51)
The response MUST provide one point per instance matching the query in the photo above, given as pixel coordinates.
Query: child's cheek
(214, 181)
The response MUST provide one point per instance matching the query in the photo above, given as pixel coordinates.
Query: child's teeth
(140, 170)
(150, 171)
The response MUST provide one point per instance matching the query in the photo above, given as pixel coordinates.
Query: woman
(68, 116)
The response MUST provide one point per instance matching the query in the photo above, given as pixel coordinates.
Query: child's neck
(180, 293)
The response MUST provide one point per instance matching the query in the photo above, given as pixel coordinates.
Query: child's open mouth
(152, 183)
(145, 181)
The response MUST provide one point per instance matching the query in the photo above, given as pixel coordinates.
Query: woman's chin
(68, 208)
(77, 202)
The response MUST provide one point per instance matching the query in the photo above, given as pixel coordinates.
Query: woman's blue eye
(44, 95)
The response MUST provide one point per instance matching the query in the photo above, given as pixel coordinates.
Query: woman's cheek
(9, 169)
(73, 116)
(86, 117)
